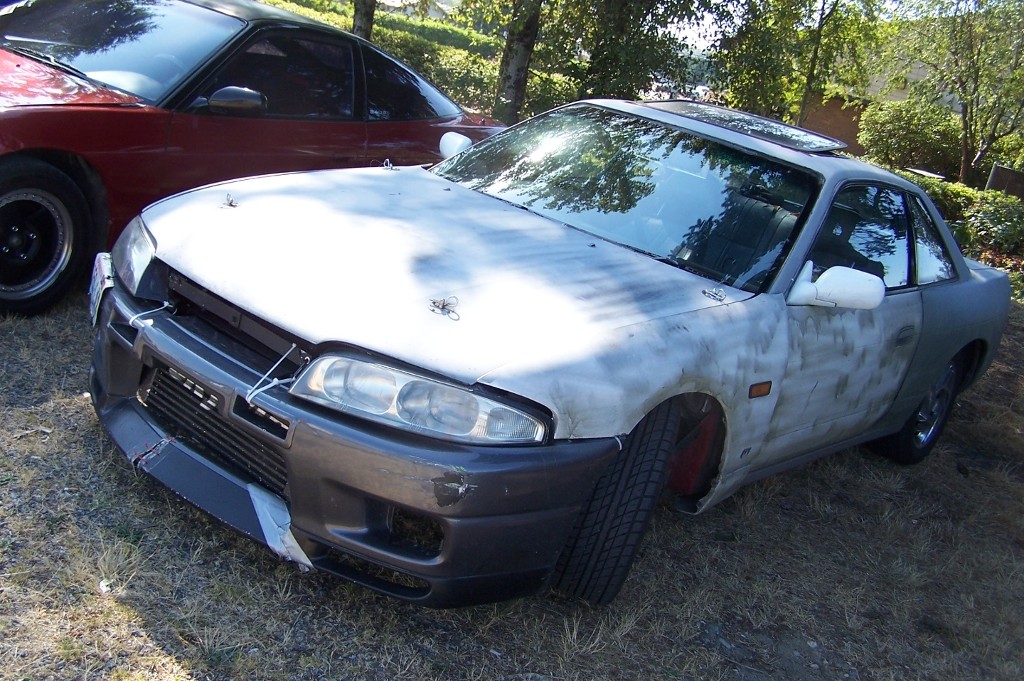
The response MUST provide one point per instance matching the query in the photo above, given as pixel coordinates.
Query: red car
(106, 107)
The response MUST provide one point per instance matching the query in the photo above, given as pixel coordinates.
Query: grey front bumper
(503, 514)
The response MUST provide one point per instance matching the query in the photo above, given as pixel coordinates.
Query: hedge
(983, 220)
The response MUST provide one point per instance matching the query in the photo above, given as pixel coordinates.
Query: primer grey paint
(596, 333)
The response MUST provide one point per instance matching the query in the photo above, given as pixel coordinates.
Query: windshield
(144, 47)
(709, 208)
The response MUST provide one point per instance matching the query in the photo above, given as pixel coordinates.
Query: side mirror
(233, 100)
(837, 287)
(454, 143)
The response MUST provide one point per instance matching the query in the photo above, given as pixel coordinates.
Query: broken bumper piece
(431, 522)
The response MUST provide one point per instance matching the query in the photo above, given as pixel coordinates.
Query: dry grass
(851, 568)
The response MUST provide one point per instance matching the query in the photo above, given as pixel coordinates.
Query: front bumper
(437, 523)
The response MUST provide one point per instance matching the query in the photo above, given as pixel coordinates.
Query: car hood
(26, 82)
(358, 256)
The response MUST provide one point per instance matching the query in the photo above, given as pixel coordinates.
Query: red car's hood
(25, 82)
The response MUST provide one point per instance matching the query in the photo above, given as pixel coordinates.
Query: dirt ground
(850, 568)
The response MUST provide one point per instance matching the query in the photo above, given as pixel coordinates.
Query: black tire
(604, 542)
(914, 442)
(44, 229)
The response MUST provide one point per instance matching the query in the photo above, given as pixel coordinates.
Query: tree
(754, 56)
(621, 45)
(971, 51)
(362, 17)
(834, 36)
(774, 56)
(611, 48)
(521, 37)
(911, 134)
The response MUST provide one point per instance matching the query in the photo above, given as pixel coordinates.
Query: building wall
(834, 119)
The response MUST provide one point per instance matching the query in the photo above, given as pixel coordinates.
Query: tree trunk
(965, 146)
(812, 67)
(515, 60)
(362, 17)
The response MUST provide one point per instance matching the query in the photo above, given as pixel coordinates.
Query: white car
(469, 382)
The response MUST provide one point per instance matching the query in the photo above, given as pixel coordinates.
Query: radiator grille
(188, 411)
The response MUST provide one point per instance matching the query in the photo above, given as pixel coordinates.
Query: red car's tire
(44, 225)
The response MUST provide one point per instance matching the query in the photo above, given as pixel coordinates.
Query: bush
(440, 33)
(911, 134)
(996, 223)
(546, 91)
(468, 78)
(953, 199)
(985, 222)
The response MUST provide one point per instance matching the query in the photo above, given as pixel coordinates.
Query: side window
(300, 78)
(933, 261)
(394, 93)
(866, 229)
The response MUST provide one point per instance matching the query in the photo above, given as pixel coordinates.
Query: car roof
(797, 147)
(751, 124)
(249, 10)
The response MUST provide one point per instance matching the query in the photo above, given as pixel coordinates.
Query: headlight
(423, 405)
(134, 262)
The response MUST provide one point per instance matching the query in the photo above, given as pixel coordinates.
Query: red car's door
(311, 119)
(406, 115)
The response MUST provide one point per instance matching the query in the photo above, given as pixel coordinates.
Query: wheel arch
(696, 465)
(89, 182)
(973, 358)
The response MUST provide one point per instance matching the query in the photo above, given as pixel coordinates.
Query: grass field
(850, 568)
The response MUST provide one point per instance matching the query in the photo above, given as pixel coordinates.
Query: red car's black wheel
(43, 226)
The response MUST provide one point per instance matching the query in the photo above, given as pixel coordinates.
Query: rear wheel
(919, 434)
(605, 539)
(43, 235)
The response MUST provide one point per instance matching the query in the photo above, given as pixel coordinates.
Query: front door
(312, 119)
(845, 367)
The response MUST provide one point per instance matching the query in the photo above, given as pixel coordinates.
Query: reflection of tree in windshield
(98, 25)
(584, 160)
(646, 185)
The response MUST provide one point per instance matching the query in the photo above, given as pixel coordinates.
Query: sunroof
(750, 124)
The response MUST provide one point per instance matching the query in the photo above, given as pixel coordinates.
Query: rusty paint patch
(147, 458)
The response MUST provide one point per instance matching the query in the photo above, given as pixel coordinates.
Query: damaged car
(474, 381)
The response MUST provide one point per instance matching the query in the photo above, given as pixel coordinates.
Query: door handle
(905, 335)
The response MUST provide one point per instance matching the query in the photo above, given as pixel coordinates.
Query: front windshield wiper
(48, 59)
(685, 265)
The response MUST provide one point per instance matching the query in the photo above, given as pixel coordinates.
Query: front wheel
(596, 560)
(44, 224)
(919, 434)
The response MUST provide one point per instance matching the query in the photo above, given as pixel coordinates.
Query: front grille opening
(416, 534)
(265, 344)
(261, 418)
(188, 411)
(372, 575)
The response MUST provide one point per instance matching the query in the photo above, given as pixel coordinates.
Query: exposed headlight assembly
(415, 403)
(134, 260)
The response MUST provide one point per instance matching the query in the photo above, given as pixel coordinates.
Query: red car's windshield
(144, 47)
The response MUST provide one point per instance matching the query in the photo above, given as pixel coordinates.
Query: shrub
(546, 91)
(468, 78)
(983, 221)
(996, 223)
(421, 54)
(953, 199)
(440, 33)
(911, 134)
